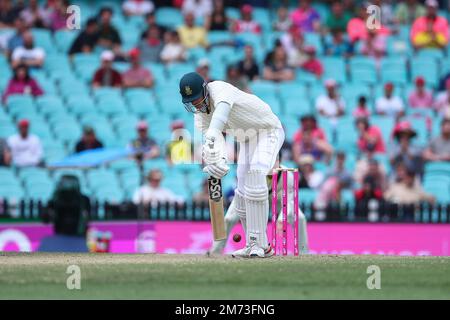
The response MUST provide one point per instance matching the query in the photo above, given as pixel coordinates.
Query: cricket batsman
(231, 218)
(220, 107)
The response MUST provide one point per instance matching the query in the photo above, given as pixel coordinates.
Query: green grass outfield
(105, 276)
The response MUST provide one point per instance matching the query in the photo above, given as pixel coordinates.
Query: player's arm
(214, 140)
(214, 147)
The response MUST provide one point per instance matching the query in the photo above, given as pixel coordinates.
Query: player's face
(198, 105)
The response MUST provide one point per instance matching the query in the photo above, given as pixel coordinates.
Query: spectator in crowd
(309, 177)
(443, 82)
(22, 83)
(16, 40)
(282, 22)
(28, 54)
(106, 76)
(336, 179)
(8, 13)
(368, 191)
(137, 7)
(277, 68)
(442, 103)
(153, 193)
(246, 23)
(191, 35)
(370, 137)
(331, 104)
(148, 147)
(294, 44)
(88, 141)
(361, 110)
(26, 148)
(420, 97)
(150, 21)
(389, 104)
(374, 170)
(235, 78)
(357, 26)
(59, 15)
(408, 11)
(430, 30)
(386, 12)
(312, 63)
(439, 148)
(407, 191)
(87, 39)
(305, 17)
(173, 50)
(368, 165)
(151, 46)
(320, 149)
(338, 18)
(203, 69)
(108, 36)
(374, 45)
(308, 122)
(200, 8)
(248, 66)
(35, 16)
(338, 45)
(339, 171)
(5, 153)
(403, 151)
(202, 197)
(137, 76)
(179, 150)
(218, 20)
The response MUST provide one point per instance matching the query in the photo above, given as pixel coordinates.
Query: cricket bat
(216, 208)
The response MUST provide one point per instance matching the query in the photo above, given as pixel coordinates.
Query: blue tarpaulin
(92, 158)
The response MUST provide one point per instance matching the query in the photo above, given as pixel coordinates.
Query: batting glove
(217, 170)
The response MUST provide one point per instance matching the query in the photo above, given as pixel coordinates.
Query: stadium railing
(365, 211)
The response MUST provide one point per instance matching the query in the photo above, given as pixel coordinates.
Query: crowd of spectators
(343, 33)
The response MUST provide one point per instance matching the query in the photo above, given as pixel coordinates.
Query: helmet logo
(188, 90)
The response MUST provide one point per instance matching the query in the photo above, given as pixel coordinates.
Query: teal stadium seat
(64, 39)
(427, 68)
(334, 68)
(80, 105)
(169, 17)
(216, 37)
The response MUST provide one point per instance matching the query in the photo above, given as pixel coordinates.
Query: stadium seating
(69, 103)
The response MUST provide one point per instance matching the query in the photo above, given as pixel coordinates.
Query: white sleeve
(220, 116)
(17, 54)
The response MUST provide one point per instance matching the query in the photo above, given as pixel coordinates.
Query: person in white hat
(106, 76)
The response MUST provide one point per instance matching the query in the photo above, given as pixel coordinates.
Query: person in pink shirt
(357, 27)
(312, 64)
(370, 137)
(431, 30)
(420, 97)
(305, 17)
(59, 15)
(361, 111)
(309, 123)
(246, 23)
(137, 76)
(22, 83)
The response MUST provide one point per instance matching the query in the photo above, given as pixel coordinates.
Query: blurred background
(361, 88)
